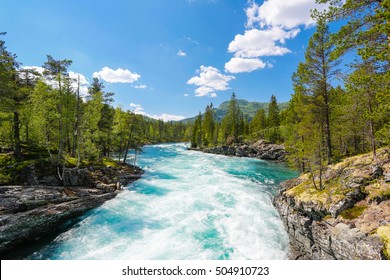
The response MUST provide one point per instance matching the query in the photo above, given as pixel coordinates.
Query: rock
(259, 149)
(77, 177)
(31, 212)
(340, 221)
(376, 171)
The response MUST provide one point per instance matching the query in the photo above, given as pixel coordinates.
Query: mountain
(248, 108)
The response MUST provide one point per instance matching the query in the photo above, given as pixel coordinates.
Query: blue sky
(167, 58)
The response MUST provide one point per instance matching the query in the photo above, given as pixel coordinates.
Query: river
(188, 205)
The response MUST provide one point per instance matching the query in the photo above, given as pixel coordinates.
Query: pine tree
(273, 120)
(11, 95)
(258, 124)
(208, 126)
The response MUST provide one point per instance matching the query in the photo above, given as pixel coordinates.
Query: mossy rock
(378, 191)
(332, 193)
(70, 162)
(108, 162)
(384, 233)
(353, 213)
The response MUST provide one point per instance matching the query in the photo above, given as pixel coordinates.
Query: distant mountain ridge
(249, 108)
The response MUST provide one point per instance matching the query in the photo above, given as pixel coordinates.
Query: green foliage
(70, 130)
(208, 126)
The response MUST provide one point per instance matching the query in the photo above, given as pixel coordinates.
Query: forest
(338, 109)
(45, 115)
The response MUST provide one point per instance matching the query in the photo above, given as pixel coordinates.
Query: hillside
(249, 108)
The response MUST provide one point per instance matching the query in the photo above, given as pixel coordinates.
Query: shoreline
(259, 149)
(31, 214)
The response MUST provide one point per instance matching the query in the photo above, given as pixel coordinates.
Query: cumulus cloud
(181, 53)
(269, 25)
(258, 43)
(209, 81)
(83, 82)
(74, 76)
(117, 76)
(241, 65)
(287, 14)
(139, 110)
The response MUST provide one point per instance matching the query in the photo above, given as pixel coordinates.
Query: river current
(188, 205)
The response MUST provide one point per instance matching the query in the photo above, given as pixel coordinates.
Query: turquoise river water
(188, 205)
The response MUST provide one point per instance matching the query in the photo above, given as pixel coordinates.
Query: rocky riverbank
(349, 219)
(260, 149)
(45, 203)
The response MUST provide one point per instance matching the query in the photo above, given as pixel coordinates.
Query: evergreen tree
(208, 126)
(230, 126)
(258, 124)
(320, 70)
(273, 120)
(12, 97)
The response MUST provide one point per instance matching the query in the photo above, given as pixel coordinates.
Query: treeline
(235, 127)
(48, 112)
(336, 110)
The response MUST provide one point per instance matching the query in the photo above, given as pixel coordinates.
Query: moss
(378, 191)
(384, 233)
(109, 162)
(71, 161)
(332, 193)
(353, 213)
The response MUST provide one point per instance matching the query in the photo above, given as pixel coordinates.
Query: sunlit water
(188, 205)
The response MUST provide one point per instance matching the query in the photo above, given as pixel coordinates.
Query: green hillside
(248, 108)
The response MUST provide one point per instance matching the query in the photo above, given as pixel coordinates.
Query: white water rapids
(188, 205)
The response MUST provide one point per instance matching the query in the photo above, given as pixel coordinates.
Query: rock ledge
(349, 219)
(31, 212)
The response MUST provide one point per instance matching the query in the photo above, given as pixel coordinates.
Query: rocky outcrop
(348, 219)
(260, 149)
(31, 212)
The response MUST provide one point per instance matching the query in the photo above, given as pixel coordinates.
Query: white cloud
(167, 117)
(116, 76)
(186, 94)
(269, 25)
(133, 105)
(287, 14)
(139, 110)
(181, 53)
(258, 43)
(83, 82)
(72, 75)
(241, 65)
(140, 86)
(209, 81)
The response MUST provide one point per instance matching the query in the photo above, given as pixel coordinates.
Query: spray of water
(188, 205)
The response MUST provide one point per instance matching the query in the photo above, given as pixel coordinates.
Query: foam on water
(188, 205)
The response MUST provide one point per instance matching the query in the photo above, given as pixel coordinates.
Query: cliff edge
(45, 203)
(348, 219)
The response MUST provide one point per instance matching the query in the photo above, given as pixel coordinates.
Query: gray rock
(31, 212)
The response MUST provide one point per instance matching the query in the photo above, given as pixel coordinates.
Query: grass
(384, 233)
(104, 162)
(378, 190)
(353, 213)
(332, 193)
